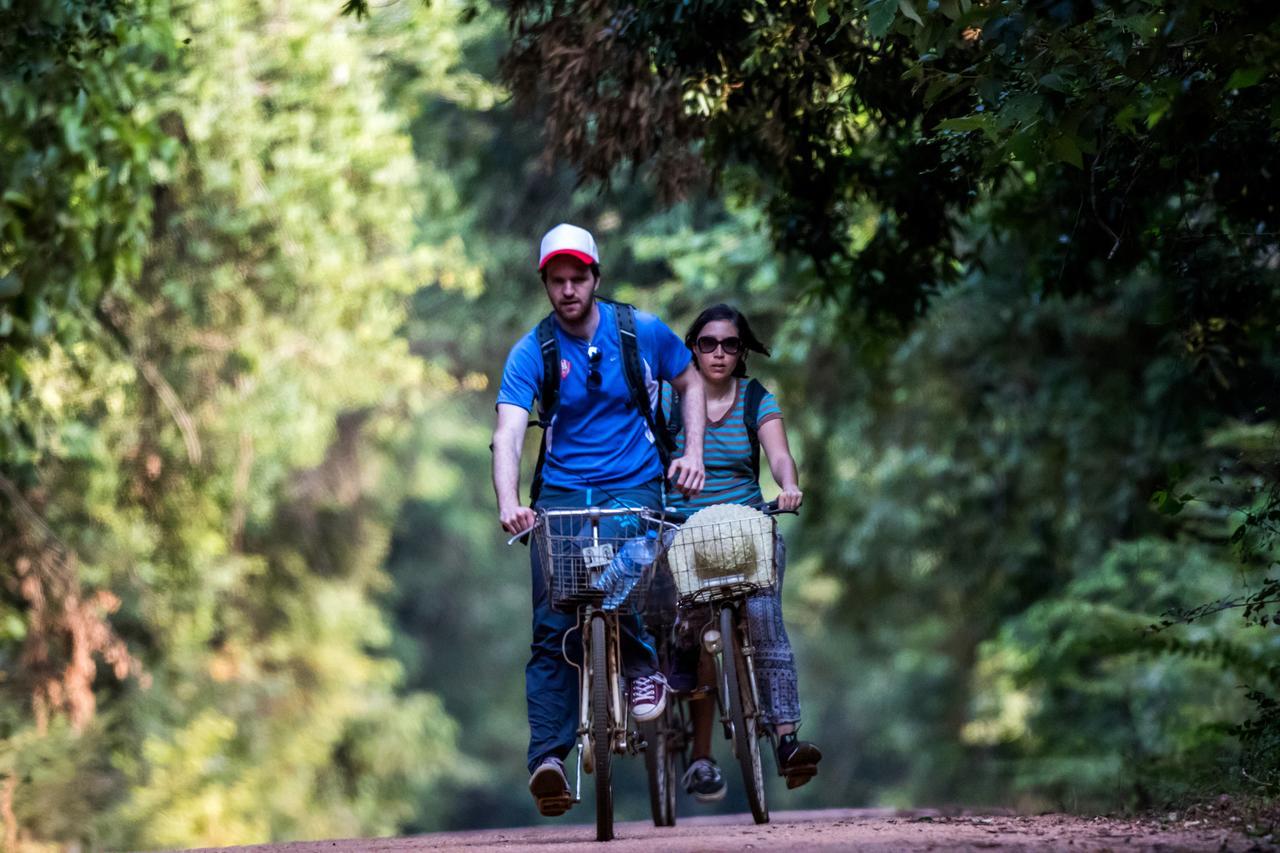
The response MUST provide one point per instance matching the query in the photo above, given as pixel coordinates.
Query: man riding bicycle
(595, 368)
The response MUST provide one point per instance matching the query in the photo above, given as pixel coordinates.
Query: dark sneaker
(550, 788)
(648, 697)
(704, 781)
(797, 760)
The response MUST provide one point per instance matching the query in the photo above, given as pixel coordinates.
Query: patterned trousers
(775, 663)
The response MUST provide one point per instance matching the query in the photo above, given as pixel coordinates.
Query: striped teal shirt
(726, 454)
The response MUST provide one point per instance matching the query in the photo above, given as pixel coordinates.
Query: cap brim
(573, 253)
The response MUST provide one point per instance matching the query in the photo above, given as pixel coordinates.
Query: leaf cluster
(80, 149)
(1108, 136)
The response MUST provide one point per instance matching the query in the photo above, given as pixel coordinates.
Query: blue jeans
(550, 682)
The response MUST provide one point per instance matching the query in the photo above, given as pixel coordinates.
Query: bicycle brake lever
(514, 539)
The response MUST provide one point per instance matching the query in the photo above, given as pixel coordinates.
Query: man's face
(571, 287)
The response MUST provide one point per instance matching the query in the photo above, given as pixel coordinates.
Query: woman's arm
(773, 438)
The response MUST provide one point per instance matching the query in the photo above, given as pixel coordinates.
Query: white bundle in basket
(721, 545)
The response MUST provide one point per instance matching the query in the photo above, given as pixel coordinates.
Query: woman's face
(718, 335)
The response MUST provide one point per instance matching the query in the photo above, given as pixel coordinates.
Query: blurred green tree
(209, 466)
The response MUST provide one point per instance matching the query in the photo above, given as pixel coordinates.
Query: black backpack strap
(549, 392)
(548, 395)
(754, 395)
(634, 372)
(675, 418)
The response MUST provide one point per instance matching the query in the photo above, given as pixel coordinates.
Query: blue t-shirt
(596, 439)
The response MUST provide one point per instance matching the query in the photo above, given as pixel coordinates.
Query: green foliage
(1236, 505)
(1087, 686)
(838, 107)
(81, 147)
(217, 450)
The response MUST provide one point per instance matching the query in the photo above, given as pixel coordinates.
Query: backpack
(549, 393)
(752, 397)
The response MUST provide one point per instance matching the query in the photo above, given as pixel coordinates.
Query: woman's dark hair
(737, 318)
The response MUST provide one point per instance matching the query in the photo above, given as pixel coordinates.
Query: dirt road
(863, 829)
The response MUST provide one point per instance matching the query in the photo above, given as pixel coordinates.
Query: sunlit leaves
(78, 146)
(212, 246)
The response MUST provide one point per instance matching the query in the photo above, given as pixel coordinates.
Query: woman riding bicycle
(720, 338)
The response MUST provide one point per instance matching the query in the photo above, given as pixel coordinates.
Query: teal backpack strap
(548, 395)
(634, 372)
(754, 395)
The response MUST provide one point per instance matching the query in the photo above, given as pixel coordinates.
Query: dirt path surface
(863, 829)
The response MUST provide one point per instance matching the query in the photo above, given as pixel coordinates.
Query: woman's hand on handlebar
(789, 500)
(517, 519)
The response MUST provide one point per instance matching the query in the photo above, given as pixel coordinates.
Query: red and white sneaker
(648, 697)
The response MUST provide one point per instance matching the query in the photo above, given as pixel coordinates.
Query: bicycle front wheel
(743, 715)
(601, 715)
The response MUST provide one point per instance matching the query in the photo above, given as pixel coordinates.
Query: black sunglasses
(708, 344)
(593, 361)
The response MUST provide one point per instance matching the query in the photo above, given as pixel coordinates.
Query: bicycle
(718, 565)
(575, 546)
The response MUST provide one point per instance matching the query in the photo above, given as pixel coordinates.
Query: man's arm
(508, 441)
(687, 472)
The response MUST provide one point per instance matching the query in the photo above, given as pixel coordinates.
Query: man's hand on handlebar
(517, 519)
(687, 475)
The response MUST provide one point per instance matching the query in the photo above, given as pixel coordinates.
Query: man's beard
(583, 307)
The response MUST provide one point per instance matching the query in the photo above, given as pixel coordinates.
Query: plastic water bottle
(627, 567)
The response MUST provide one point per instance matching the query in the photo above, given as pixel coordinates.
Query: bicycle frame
(748, 658)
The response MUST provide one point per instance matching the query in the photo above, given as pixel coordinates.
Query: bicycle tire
(742, 714)
(660, 767)
(601, 717)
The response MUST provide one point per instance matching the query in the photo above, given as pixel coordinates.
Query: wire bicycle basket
(581, 555)
(723, 551)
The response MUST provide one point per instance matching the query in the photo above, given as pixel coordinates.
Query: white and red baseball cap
(566, 239)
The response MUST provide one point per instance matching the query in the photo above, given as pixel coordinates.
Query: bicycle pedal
(554, 806)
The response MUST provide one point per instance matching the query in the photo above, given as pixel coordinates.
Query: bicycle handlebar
(669, 514)
(592, 512)
(770, 508)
